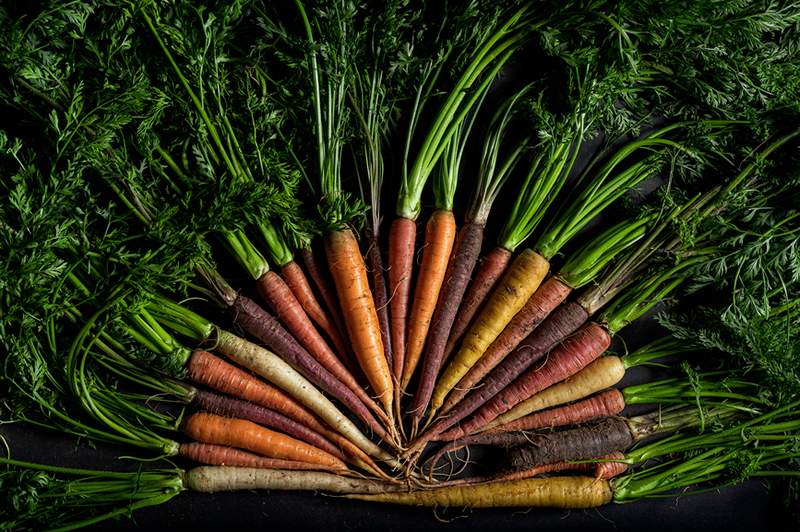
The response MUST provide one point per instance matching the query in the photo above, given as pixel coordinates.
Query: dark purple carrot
(489, 274)
(378, 276)
(402, 239)
(545, 300)
(459, 270)
(588, 441)
(256, 321)
(561, 323)
(569, 357)
(229, 407)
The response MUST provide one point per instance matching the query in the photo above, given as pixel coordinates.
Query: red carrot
(489, 274)
(546, 299)
(293, 274)
(220, 455)
(568, 358)
(402, 238)
(564, 321)
(289, 311)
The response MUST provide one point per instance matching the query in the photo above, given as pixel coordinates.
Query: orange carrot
(220, 455)
(350, 277)
(296, 280)
(402, 238)
(440, 235)
(282, 301)
(208, 428)
(209, 370)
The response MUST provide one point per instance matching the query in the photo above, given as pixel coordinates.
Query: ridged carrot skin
(569, 357)
(296, 279)
(402, 239)
(491, 270)
(520, 282)
(208, 428)
(603, 470)
(209, 370)
(213, 479)
(544, 301)
(459, 270)
(282, 301)
(553, 492)
(440, 234)
(603, 373)
(350, 278)
(219, 455)
(378, 275)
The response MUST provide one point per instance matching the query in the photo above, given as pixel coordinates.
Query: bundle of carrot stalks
(198, 269)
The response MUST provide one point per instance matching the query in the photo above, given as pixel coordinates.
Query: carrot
(603, 373)
(378, 275)
(564, 321)
(219, 455)
(440, 234)
(213, 479)
(555, 492)
(607, 467)
(611, 434)
(323, 284)
(520, 282)
(276, 370)
(489, 274)
(209, 370)
(227, 407)
(459, 270)
(402, 237)
(256, 321)
(350, 279)
(208, 428)
(293, 274)
(280, 298)
(565, 360)
(549, 295)
(607, 403)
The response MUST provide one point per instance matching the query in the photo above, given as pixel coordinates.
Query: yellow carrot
(553, 492)
(520, 282)
(601, 374)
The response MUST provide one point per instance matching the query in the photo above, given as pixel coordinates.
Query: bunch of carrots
(198, 266)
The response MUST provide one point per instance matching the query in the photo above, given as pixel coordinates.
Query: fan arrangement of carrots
(346, 353)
